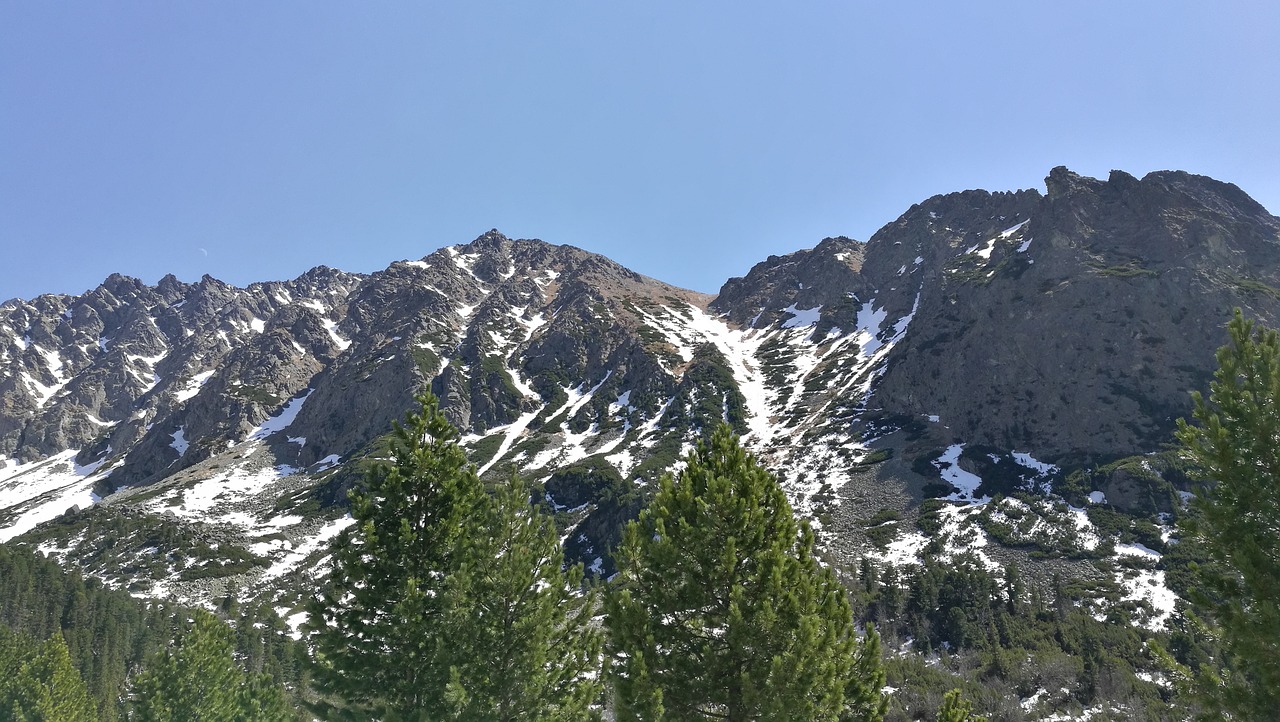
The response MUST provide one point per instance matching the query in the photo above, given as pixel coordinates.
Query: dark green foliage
(197, 678)
(40, 682)
(523, 646)
(1254, 286)
(256, 394)
(1128, 270)
(554, 398)
(110, 634)
(595, 483)
(308, 502)
(955, 708)
(707, 395)
(924, 466)
(883, 532)
(426, 360)
(377, 627)
(660, 458)
(592, 479)
(15, 650)
(1002, 637)
(883, 516)
(1125, 528)
(973, 269)
(929, 517)
(776, 358)
(444, 603)
(876, 457)
(937, 490)
(495, 375)
(483, 450)
(105, 629)
(1237, 593)
(1045, 528)
(722, 611)
(1150, 483)
(961, 602)
(224, 561)
(123, 546)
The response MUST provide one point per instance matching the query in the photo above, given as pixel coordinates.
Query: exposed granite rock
(1080, 335)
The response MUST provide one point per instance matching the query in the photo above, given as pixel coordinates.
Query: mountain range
(981, 374)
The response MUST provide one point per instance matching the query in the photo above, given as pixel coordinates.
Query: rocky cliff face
(986, 334)
(104, 369)
(1076, 324)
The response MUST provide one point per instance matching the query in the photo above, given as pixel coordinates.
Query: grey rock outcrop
(1081, 333)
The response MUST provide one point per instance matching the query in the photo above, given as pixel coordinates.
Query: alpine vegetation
(446, 602)
(722, 611)
(1235, 449)
(198, 678)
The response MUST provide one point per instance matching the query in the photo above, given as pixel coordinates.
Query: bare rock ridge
(1067, 325)
(1079, 330)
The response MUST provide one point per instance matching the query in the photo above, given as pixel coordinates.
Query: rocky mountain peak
(823, 276)
(1089, 292)
(1062, 182)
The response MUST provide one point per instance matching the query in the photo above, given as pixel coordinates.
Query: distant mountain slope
(982, 343)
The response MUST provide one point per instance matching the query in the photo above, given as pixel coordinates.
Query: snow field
(193, 386)
(282, 420)
(36, 492)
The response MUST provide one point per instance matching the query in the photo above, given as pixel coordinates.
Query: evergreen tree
(722, 611)
(864, 700)
(198, 680)
(523, 645)
(1236, 447)
(378, 630)
(955, 708)
(15, 650)
(445, 603)
(48, 687)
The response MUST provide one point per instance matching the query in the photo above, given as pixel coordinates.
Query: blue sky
(686, 140)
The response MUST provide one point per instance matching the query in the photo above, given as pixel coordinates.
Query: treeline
(110, 637)
(1003, 639)
(721, 611)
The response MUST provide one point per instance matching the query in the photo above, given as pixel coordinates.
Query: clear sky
(687, 140)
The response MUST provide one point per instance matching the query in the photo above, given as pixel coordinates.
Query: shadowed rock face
(825, 276)
(162, 378)
(1081, 333)
(494, 328)
(1072, 323)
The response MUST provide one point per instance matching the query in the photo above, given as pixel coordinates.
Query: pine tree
(378, 629)
(445, 603)
(864, 699)
(523, 648)
(721, 610)
(198, 679)
(955, 708)
(1236, 519)
(15, 650)
(48, 687)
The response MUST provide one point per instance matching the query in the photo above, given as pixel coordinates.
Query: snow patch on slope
(280, 421)
(38, 491)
